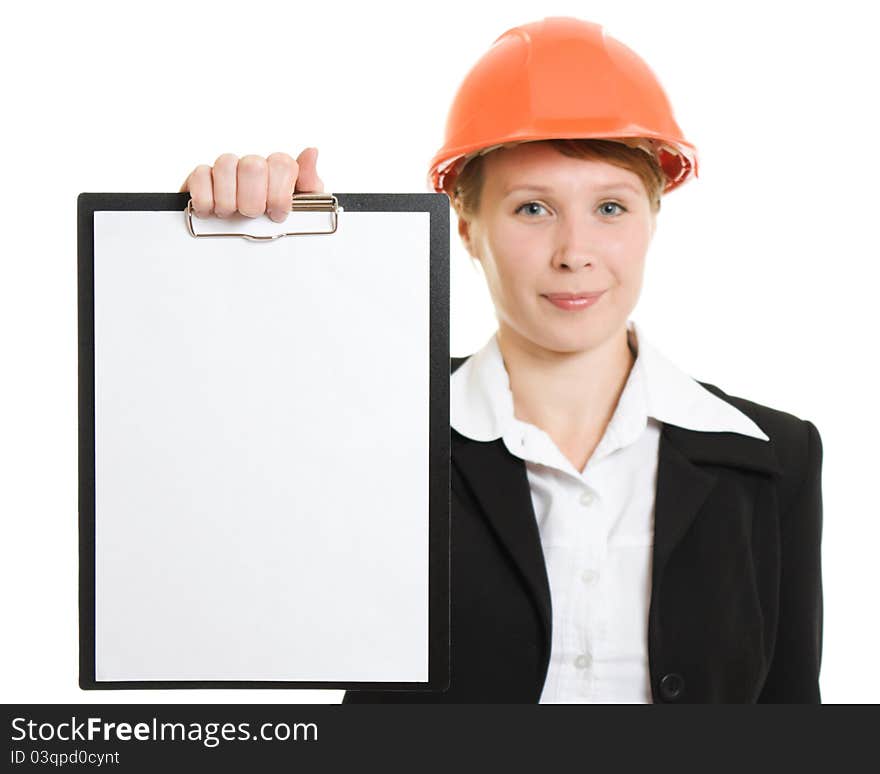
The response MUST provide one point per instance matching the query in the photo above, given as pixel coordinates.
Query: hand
(252, 184)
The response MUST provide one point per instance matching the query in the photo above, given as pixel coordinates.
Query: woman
(675, 528)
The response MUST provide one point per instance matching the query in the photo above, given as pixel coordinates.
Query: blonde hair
(634, 154)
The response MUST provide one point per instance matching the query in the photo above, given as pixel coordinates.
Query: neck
(569, 395)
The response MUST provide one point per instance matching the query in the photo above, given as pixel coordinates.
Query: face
(550, 224)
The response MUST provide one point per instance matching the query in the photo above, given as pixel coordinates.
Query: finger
(201, 190)
(223, 174)
(282, 178)
(253, 177)
(308, 180)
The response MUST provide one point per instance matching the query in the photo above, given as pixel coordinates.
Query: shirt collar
(481, 403)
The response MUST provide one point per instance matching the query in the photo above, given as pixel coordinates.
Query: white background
(761, 279)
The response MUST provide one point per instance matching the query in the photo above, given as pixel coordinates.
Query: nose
(575, 245)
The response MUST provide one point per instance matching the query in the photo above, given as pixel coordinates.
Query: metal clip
(300, 202)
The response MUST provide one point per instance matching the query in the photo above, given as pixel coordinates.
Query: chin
(580, 337)
(567, 342)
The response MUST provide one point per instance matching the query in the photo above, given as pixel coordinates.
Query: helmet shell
(560, 78)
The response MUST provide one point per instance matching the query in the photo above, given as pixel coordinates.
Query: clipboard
(264, 444)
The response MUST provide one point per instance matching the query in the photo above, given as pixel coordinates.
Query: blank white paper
(261, 450)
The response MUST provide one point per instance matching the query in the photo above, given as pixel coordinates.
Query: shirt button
(589, 576)
(587, 498)
(583, 661)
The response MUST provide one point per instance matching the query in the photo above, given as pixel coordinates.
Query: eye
(611, 204)
(531, 204)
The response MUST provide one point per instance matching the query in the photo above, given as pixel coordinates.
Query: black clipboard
(93, 542)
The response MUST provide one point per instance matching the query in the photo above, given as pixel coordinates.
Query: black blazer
(736, 598)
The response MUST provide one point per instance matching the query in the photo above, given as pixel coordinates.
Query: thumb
(307, 180)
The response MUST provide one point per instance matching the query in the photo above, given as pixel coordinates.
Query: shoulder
(795, 441)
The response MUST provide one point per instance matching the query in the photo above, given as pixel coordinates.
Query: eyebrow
(546, 189)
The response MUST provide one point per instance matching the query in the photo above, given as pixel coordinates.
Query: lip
(573, 301)
(593, 294)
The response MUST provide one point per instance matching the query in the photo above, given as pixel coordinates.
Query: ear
(464, 231)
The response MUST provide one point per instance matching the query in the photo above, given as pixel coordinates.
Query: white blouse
(596, 525)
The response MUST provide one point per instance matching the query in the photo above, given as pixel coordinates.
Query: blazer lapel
(500, 484)
(683, 485)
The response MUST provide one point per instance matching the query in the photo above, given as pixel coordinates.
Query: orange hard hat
(560, 78)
